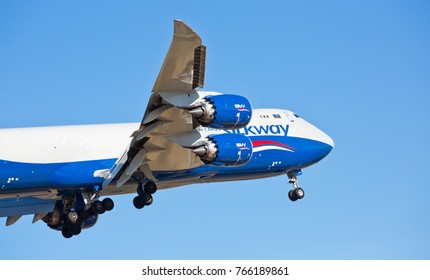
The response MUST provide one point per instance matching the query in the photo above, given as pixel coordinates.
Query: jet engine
(225, 111)
(226, 149)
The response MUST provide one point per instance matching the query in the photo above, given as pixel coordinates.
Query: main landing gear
(75, 220)
(297, 192)
(77, 212)
(144, 194)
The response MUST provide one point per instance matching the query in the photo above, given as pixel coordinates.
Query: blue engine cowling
(226, 111)
(225, 149)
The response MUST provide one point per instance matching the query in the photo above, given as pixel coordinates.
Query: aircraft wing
(151, 148)
(185, 54)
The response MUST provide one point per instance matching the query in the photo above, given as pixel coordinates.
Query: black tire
(97, 207)
(150, 188)
(66, 232)
(138, 202)
(72, 217)
(82, 216)
(108, 204)
(292, 195)
(75, 230)
(299, 193)
(147, 199)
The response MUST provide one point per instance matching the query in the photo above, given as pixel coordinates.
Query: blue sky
(359, 70)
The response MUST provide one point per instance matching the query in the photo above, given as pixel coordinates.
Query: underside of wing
(39, 203)
(151, 148)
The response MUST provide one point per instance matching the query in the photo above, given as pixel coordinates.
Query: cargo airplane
(60, 173)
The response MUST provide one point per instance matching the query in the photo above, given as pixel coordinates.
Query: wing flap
(38, 217)
(12, 219)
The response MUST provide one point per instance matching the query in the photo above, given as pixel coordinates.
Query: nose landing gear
(297, 192)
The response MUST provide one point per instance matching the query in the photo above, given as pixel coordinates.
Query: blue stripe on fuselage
(15, 175)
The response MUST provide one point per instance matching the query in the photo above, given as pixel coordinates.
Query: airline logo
(241, 107)
(255, 130)
(242, 146)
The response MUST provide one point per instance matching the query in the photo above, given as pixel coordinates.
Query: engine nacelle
(225, 111)
(226, 149)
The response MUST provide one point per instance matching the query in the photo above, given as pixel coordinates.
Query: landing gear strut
(297, 192)
(144, 194)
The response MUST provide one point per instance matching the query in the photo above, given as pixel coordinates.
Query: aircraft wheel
(108, 204)
(292, 195)
(147, 199)
(75, 230)
(97, 207)
(72, 217)
(66, 232)
(300, 193)
(82, 215)
(138, 202)
(150, 188)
